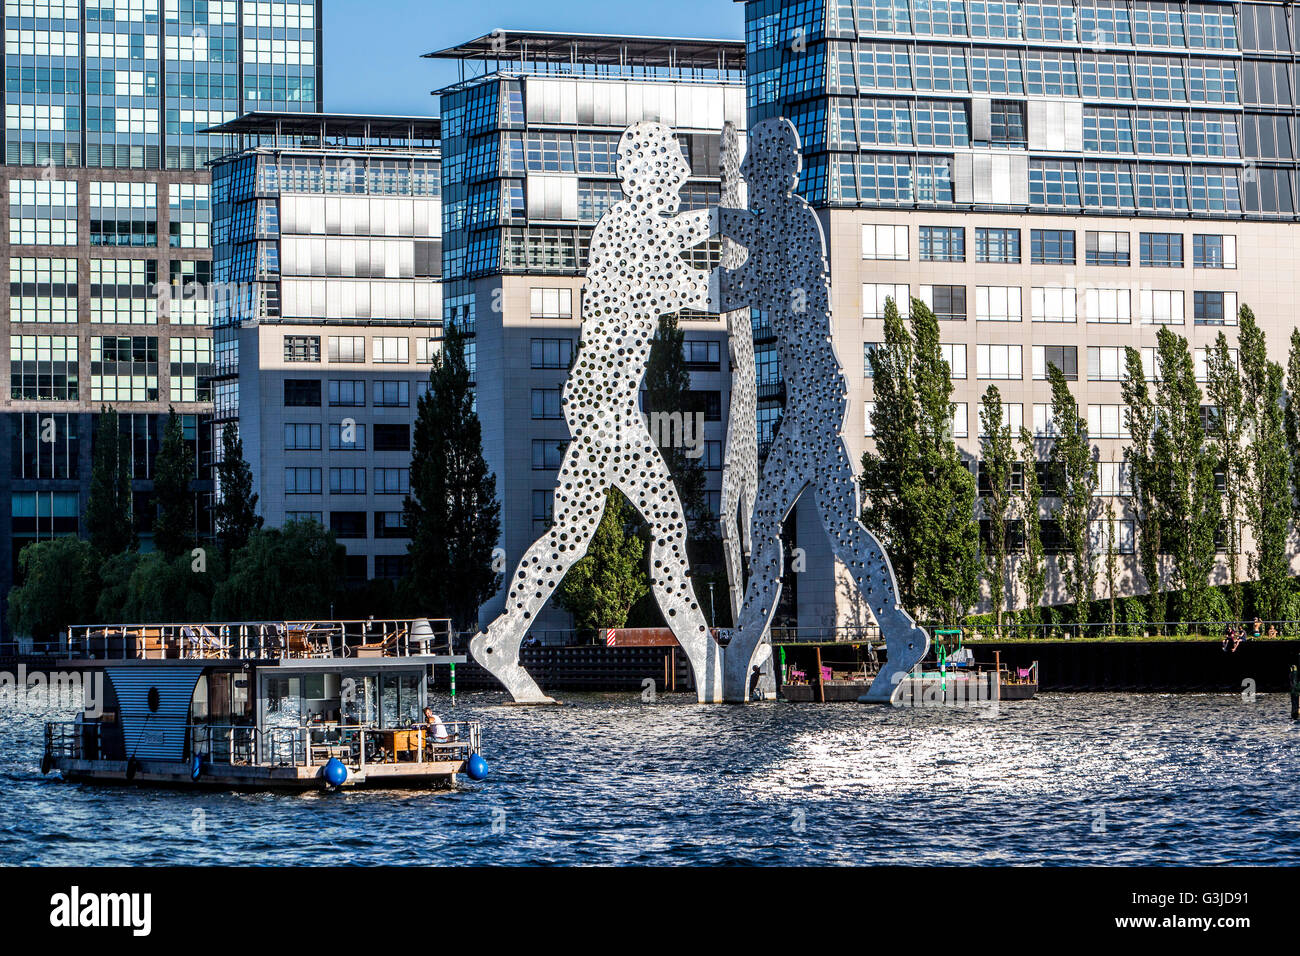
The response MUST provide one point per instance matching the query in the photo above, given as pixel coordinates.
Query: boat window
(400, 700)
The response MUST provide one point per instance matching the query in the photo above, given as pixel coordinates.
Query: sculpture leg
(579, 504)
(732, 530)
(779, 489)
(650, 488)
(867, 561)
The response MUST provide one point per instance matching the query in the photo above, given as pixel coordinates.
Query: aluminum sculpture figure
(786, 275)
(740, 460)
(635, 274)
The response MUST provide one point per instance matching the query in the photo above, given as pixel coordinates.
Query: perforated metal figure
(786, 275)
(635, 274)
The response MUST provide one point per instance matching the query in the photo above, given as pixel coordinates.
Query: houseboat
(261, 706)
(950, 675)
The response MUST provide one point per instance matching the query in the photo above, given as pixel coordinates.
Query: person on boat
(437, 729)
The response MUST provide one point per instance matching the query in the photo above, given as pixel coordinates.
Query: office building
(530, 136)
(327, 311)
(105, 228)
(1055, 180)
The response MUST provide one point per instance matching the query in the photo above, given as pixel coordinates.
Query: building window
(1106, 363)
(390, 349)
(347, 436)
(302, 393)
(543, 509)
(1107, 421)
(1044, 423)
(43, 367)
(947, 302)
(1201, 363)
(1054, 303)
(1161, 250)
(124, 369)
(1161, 306)
(1013, 416)
(1105, 534)
(1215, 308)
(123, 214)
(550, 303)
(1112, 479)
(392, 437)
(942, 243)
(868, 410)
(1051, 247)
(1107, 248)
(347, 393)
(347, 348)
(546, 404)
(302, 481)
(392, 481)
(43, 290)
(392, 394)
(1064, 357)
(1214, 252)
(702, 355)
(302, 348)
(347, 481)
(315, 516)
(884, 242)
(548, 453)
(190, 211)
(955, 355)
(391, 524)
(875, 294)
(997, 245)
(191, 369)
(998, 361)
(1108, 305)
(997, 303)
(348, 524)
(552, 353)
(959, 427)
(124, 291)
(42, 212)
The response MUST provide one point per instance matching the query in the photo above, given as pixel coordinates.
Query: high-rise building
(530, 137)
(327, 310)
(105, 228)
(1056, 180)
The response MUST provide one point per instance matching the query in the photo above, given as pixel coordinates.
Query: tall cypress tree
(173, 527)
(1032, 570)
(109, 508)
(997, 459)
(452, 512)
(1190, 511)
(921, 495)
(1266, 488)
(1143, 479)
(1229, 424)
(1075, 469)
(235, 513)
(1293, 421)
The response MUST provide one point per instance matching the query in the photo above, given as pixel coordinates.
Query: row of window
(346, 435)
(1048, 246)
(122, 368)
(350, 393)
(1106, 363)
(1114, 306)
(355, 524)
(347, 481)
(1104, 420)
(385, 349)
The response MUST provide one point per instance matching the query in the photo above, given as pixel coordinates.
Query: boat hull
(169, 773)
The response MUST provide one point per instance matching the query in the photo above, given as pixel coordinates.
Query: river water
(610, 778)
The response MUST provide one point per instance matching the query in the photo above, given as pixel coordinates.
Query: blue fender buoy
(335, 772)
(196, 767)
(478, 768)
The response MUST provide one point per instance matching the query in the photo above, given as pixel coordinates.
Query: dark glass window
(302, 393)
(1051, 247)
(1161, 250)
(942, 243)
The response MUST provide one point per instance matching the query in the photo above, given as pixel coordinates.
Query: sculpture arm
(692, 228)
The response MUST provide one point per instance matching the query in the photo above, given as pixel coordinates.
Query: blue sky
(372, 47)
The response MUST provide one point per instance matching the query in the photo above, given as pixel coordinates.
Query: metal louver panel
(981, 124)
(963, 190)
(156, 735)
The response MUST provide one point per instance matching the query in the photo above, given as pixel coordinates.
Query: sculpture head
(651, 165)
(772, 163)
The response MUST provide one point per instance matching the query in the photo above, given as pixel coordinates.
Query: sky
(373, 47)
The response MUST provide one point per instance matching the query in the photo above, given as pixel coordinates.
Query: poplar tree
(109, 506)
(452, 512)
(235, 513)
(1266, 490)
(1143, 480)
(920, 493)
(600, 589)
(1112, 561)
(1189, 506)
(1075, 467)
(173, 527)
(1033, 569)
(1293, 421)
(997, 459)
(1223, 390)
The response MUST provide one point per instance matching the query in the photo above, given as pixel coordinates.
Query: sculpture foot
(490, 654)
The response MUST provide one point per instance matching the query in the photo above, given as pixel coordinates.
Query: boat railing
(310, 745)
(260, 640)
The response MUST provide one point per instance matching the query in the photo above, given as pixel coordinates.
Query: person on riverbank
(1257, 630)
(1295, 693)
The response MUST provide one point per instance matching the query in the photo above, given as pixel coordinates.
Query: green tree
(173, 528)
(1293, 420)
(997, 459)
(600, 589)
(1075, 468)
(1112, 562)
(452, 512)
(1266, 488)
(109, 521)
(920, 494)
(162, 589)
(235, 513)
(1227, 427)
(59, 586)
(1033, 569)
(1189, 505)
(1144, 480)
(294, 572)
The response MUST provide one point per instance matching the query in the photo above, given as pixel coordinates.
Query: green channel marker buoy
(453, 683)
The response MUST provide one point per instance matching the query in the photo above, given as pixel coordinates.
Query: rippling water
(1068, 778)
